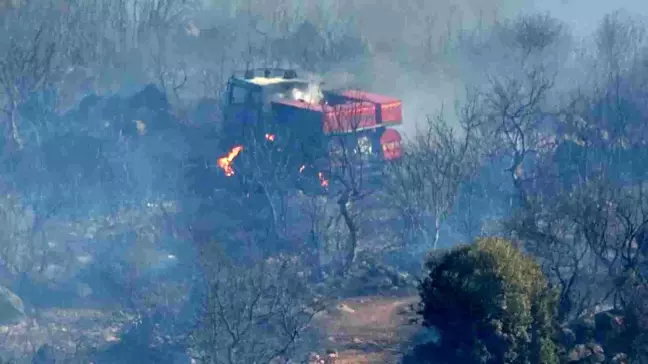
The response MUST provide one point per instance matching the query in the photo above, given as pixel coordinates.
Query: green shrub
(490, 304)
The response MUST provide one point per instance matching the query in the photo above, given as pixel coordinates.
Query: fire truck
(312, 124)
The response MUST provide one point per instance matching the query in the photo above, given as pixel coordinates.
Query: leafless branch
(254, 313)
(424, 186)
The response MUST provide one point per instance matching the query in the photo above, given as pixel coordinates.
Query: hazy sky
(583, 16)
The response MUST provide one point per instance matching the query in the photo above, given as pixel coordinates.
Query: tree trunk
(278, 221)
(15, 133)
(516, 174)
(437, 229)
(353, 234)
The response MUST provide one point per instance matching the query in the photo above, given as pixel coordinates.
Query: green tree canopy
(490, 304)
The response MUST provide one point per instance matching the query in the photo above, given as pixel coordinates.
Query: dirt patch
(368, 329)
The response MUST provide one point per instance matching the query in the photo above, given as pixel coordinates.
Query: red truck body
(359, 117)
(363, 111)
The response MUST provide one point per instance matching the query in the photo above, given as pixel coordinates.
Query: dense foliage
(490, 304)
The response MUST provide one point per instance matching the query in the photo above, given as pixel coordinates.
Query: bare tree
(292, 197)
(590, 242)
(273, 164)
(516, 122)
(351, 167)
(159, 23)
(424, 186)
(585, 216)
(556, 239)
(26, 67)
(269, 167)
(516, 95)
(254, 314)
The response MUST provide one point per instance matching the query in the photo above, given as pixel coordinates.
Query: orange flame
(226, 162)
(270, 137)
(323, 181)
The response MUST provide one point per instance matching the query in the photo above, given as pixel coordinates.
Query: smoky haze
(135, 227)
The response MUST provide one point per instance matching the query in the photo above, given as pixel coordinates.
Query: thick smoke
(101, 163)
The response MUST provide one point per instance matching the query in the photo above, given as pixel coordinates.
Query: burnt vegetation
(144, 218)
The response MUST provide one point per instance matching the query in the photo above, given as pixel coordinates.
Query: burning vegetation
(320, 175)
(323, 181)
(226, 162)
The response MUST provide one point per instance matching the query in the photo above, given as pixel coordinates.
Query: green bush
(490, 304)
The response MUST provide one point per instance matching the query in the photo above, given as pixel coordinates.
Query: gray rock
(12, 309)
(45, 355)
(620, 358)
(587, 353)
(344, 308)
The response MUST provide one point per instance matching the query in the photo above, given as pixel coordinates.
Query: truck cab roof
(268, 76)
